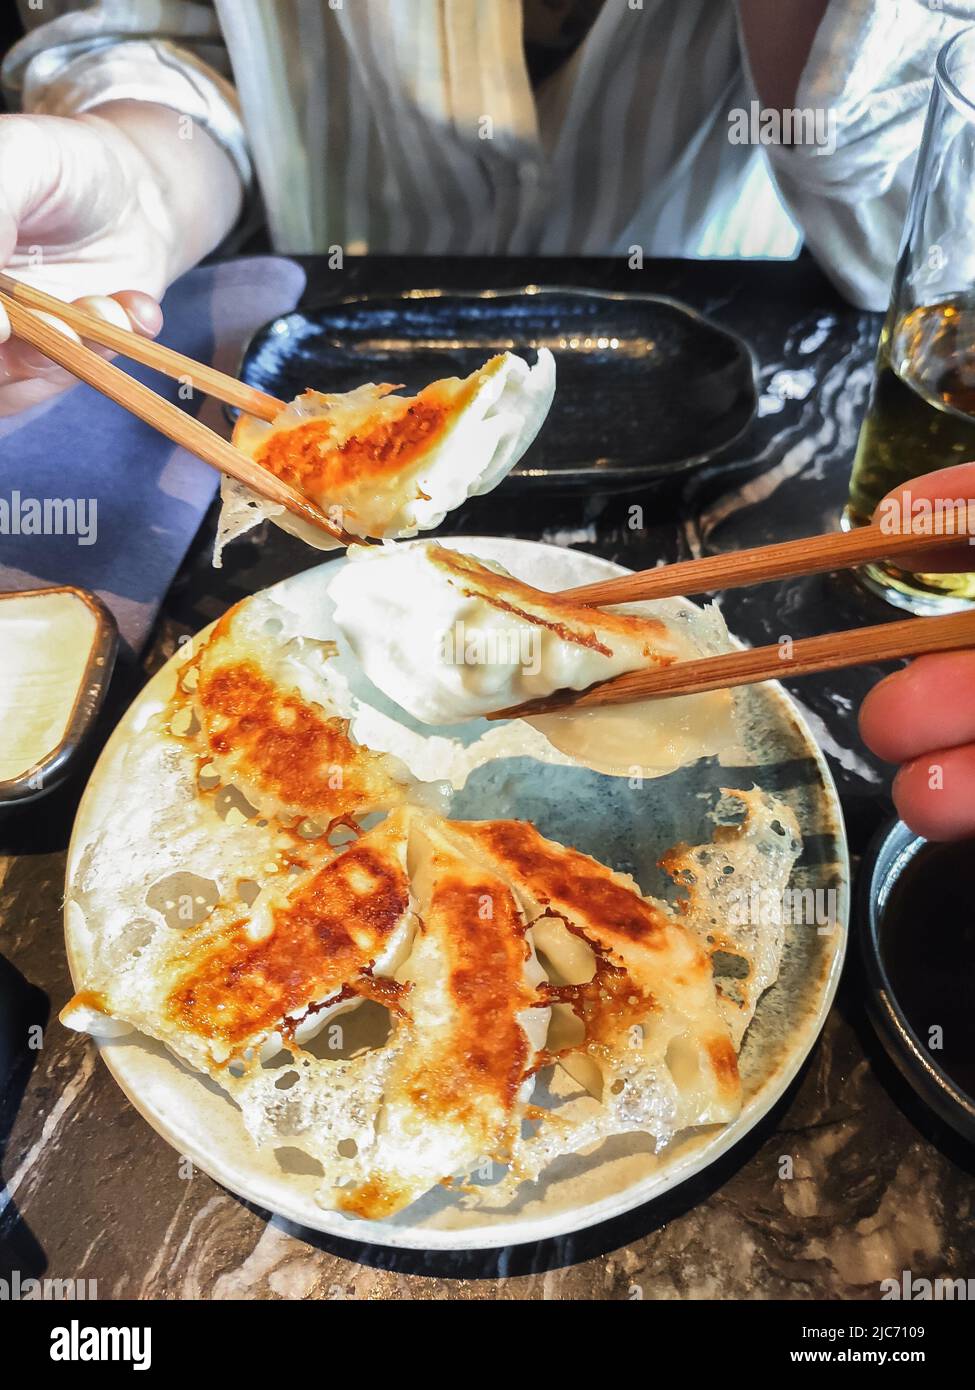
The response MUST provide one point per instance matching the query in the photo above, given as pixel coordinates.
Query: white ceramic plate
(627, 828)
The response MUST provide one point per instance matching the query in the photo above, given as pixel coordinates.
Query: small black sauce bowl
(44, 776)
(890, 852)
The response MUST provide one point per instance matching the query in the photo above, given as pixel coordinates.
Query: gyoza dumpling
(471, 1034)
(452, 638)
(268, 723)
(218, 992)
(385, 465)
(653, 1044)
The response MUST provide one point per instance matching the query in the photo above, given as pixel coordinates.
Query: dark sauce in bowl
(927, 947)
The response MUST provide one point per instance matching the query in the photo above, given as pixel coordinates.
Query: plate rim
(565, 1223)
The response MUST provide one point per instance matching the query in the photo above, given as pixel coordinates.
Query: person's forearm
(779, 36)
(198, 186)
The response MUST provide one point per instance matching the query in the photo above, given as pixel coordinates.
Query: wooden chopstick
(151, 354)
(183, 429)
(858, 647)
(809, 555)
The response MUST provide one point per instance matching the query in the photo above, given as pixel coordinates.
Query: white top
(412, 126)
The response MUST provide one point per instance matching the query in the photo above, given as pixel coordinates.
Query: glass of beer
(921, 414)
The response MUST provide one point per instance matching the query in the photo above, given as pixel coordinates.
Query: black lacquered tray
(646, 386)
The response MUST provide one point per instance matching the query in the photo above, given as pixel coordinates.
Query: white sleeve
(872, 66)
(166, 51)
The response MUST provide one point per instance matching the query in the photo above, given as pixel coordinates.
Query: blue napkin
(131, 499)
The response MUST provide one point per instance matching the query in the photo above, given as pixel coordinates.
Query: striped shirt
(413, 125)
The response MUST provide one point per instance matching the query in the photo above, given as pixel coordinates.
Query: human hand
(110, 206)
(923, 716)
(78, 218)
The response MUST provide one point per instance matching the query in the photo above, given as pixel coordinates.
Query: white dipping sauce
(46, 642)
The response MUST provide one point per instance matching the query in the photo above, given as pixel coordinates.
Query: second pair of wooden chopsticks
(787, 658)
(803, 657)
(788, 559)
(24, 304)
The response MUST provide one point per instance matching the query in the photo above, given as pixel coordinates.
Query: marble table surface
(878, 1186)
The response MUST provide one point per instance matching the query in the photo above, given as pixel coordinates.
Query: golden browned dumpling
(381, 464)
(269, 729)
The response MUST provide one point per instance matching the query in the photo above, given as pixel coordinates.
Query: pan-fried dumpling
(381, 464)
(219, 992)
(451, 638)
(267, 725)
(653, 1049)
(473, 1025)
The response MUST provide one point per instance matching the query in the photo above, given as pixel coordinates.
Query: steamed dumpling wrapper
(451, 638)
(384, 465)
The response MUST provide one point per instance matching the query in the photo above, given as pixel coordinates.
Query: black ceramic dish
(885, 861)
(46, 775)
(646, 387)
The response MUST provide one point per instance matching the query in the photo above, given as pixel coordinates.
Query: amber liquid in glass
(921, 417)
